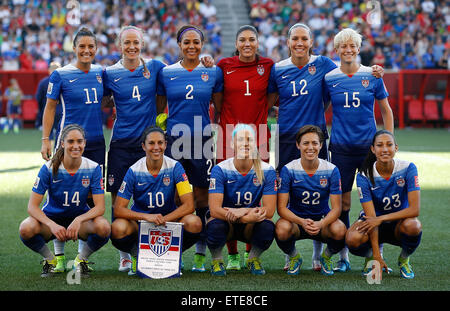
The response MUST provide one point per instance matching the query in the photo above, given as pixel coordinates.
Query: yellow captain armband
(184, 187)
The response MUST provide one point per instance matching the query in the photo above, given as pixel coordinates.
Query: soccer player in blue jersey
(242, 201)
(132, 84)
(189, 87)
(307, 184)
(353, 91)
(389, 193)
(68, 179)
(299, 82)
(153, 182)
(78, 88)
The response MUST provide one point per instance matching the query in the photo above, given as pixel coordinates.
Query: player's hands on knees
(368, 224)
(256, 215)
(59, 232)
(311, 227)
(73, 229)
(157, 219)
(234, 214)
(46, 150)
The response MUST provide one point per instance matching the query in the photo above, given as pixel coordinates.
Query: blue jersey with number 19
(239, 190)
(309, 195)
(353, 97)
(189, 94)
(67, 194)
(80, 94)
(134, 95)
(389, 196)
(300, 92)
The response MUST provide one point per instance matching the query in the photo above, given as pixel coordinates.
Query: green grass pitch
(429, 149)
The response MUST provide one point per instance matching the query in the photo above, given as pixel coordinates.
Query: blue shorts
(347, 165)
(95, 151)
(386, 232)
(288, 152)
(196, 162)
(305, 235)
(62, 221)
(119, 161)
(13, 109)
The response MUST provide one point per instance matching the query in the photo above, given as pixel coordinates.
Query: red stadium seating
(446, 110)
(415, 110)
(29, 111)
(431, 110)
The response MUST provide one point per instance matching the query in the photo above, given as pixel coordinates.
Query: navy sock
(335, 246)
(216, 232)
(125, 244)
(95, 242)
(201, 212)
(410, 243)
(189, 239)
(35, 243)
(286, 246)
(263, 234)
(345, 218)
(361, 250)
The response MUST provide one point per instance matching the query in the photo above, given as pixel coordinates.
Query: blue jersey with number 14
(80, 94)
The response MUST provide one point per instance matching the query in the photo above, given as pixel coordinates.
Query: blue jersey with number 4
(80, 95)
(352, 98)
(241, 190)
(309, 195)
(67, 194)
(389, 196)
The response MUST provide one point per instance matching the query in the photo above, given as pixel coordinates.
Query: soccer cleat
(218, 268)
(316, 266)
(255, 267)
(342, 266)
(286, 263)
(132, 270)
(366, 270)
(125, 264)
(234, 262)
(60, 264)
(245, 260)
(82, 266)
(405, 268)
(326, 265)
(295, 264)
(48, 267)
(199, 263)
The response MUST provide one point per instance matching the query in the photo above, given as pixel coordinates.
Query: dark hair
(84, 32)
(151, 129)
(244, 28)
(367, 166)
(309, 129)
(186, 28)
(58, 157)
(300, 25)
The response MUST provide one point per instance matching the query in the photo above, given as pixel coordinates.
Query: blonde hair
(345, 35)
(141, 36)
(256, 159)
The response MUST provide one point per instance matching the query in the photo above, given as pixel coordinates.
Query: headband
(188, 29)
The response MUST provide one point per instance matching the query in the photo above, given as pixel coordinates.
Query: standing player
(152, 182)
(307, 184)
(246, 78)
(189, 87)
(68, 178)
(389, 192)
(79, 90)
(238, 185)
(299, 81)
(353, 90)
(132, 83)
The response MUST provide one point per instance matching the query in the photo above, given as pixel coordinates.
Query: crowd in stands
(397, 34)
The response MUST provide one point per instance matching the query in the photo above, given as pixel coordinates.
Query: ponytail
(258, 167)
(58, 157)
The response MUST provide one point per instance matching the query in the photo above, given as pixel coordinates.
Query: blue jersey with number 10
(80, 94)
(353, 97)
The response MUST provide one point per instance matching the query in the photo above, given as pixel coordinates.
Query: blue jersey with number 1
(80, 94)
(353, 97)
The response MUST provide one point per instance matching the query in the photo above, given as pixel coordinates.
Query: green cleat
(132, 270)
(327, 265)
(245, 260)
(60, 264)
(234, 262)
(218, 268)
(295, 263)
(255, 267)
(82, 266)
(48, 267)
(405, 268)
(199, 263)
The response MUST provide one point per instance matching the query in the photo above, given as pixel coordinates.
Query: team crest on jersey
(365, 82)
(36, 183)
(256, 181)
(111, 180)
(85, 182)
(99, 78)
(400, 182)
(312, 70)
(260, 70)
(416, 181)
(146, 74)
(166, 180)
(212, 184)
(122, 187)
(50, 88)
(205, 76)
(159, 241)
(323, 182)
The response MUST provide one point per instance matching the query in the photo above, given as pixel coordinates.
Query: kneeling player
(153, 182)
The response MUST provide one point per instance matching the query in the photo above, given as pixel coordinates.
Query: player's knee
(192, 223)
(119, 229)
(217, 231)
(103, 228)
(263, 234)
(338, 230)
(411, 226)
(283, 230)
(26, 230)
(353, 239)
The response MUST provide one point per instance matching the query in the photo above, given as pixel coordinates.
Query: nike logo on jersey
(374, 188)
(70, 81)
(230, 181)
(228, 72)
(297, 181)
(173, 78)
(115, 80)
(334, 85)
(141, 184)
(56, 181)
(284, 77)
